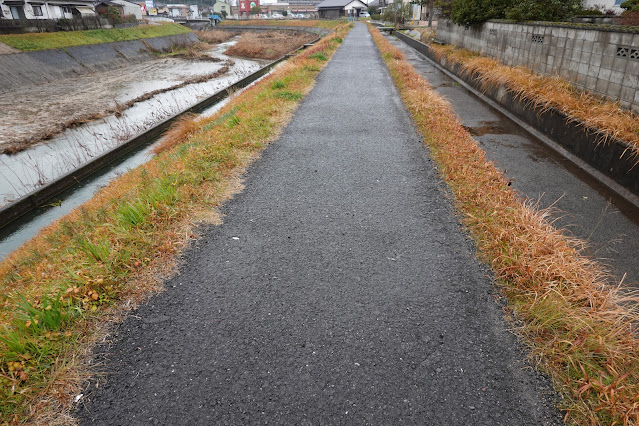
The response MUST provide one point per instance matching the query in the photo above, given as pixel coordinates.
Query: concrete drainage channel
(607, 160)
(46, 195)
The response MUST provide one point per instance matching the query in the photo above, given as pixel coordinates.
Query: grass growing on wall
(58, 288)
(597, 114)
(579, 326)
(62, 39)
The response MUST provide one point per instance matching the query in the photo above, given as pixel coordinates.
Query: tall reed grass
(598, 115)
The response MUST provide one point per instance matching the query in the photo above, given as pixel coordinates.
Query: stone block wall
(603, 61)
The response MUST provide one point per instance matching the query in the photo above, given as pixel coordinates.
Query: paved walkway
(339, 290)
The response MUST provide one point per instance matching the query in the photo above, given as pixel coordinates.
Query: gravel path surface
(339, 290)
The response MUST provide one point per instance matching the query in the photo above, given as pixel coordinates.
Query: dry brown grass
(268, 44)
(598, 115)
(214, 36)
(306, 23)
(576, 323)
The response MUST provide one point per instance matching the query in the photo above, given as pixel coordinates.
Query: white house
(130, 8)
(46, 9)
(603, 5)
(337, 8)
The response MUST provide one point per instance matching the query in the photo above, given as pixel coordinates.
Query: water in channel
(26, 171)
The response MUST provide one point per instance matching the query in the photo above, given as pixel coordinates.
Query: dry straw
(577, 325)
(598, 115)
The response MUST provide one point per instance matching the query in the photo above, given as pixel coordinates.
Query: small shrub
(291, 96)
(319, 56)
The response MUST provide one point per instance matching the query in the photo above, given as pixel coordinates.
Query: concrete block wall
(602, 61)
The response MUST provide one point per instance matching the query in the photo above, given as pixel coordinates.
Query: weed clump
(268, 44)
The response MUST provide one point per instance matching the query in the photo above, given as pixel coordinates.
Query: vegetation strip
(596, 114)
(59, 40)
(78, 272)
(277, 23)
(577, 325)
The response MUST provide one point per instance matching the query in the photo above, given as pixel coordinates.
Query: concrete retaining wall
(603, 61)
(612, 157)
(28, 68)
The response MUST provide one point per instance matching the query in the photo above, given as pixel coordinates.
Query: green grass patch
(291, 96)
(59, 40)
(70, 277)
(319, 56)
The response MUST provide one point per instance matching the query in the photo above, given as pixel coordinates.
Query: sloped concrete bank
(612, 157)
(38, 198)
(20, 69)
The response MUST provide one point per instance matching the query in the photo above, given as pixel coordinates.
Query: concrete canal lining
(609, 156)
(20, 69)
(41, 196)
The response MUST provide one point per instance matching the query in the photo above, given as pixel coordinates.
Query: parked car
(364, 14)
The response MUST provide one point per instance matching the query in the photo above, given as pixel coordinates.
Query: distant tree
(224, 14)
(630, 5)
(285, 13)
(256, 10)
(373, 10)
(445, 7)
(397, 12)
(471, 12)
(543, 10)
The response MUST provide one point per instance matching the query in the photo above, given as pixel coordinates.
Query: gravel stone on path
(340, 289)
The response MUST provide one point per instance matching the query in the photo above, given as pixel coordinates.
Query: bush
(589, 12)
(397, 12)
(630, 18)
(471, 12)
(543, 10)
(630, 5)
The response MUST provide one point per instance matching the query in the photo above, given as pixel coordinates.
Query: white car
(364, 14)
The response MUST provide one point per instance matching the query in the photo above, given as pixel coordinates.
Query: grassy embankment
(58, 40)
(59, 288)
(544, 92)
(574, 322)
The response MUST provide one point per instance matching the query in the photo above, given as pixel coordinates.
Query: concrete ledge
(612, 157)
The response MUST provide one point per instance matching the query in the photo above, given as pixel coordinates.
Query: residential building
(46, 9)
(125, 8)
(337, 8)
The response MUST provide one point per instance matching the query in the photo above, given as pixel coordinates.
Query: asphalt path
(581, 205)
(340, 289)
